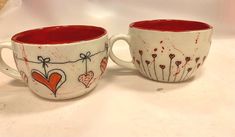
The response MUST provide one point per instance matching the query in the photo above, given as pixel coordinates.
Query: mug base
(71, 95)
(182, 81)
(170, 81)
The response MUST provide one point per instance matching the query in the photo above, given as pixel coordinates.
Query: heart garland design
(86, 78)
(103, 64)
(53, 80)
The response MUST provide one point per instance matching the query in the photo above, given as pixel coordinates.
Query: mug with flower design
(166, 50)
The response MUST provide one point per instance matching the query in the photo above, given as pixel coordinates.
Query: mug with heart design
(58, 62)
(166, 50)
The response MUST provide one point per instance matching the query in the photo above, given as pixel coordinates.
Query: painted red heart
(86, 78)
(51, 82)
(103, 64)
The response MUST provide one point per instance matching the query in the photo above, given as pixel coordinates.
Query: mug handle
(114, 58)
(4, 68)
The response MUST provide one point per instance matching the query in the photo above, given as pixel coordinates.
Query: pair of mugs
(63, 62)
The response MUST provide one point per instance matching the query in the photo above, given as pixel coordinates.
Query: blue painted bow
(86, 56)
(44, 61)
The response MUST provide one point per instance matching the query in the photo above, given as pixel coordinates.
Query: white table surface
(124, 104)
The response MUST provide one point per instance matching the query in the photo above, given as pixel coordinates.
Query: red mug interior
(170, 25)
(59, 34)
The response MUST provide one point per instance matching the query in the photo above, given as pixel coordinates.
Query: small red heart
(154, 55)
(86, 78)
(172, 56)
(162, 66)
(51, 82)
(103, 64)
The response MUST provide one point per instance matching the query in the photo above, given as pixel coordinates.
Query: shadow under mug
(166, 50)
(59, 62)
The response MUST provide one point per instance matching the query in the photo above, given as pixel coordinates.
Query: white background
(124, 104)
(114, 15)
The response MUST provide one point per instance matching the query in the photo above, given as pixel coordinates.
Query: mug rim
(144, 28)
(15, 36)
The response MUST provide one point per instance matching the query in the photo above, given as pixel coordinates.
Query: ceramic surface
(165, 56)
(59, 71)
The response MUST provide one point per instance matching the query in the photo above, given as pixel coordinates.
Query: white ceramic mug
(59, 62)
(166, 50)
